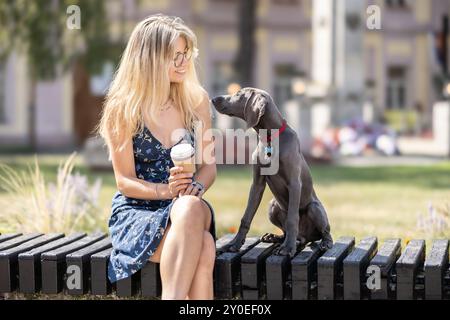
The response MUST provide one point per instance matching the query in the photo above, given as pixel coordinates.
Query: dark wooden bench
(77, 264)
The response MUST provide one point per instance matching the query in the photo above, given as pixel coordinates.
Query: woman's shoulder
(204, 95)
(203, 104)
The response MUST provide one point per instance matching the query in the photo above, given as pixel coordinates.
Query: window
(284, 74)
(396, 89)
(222, 76)
(225, 1)
(287, 2)
(2, 92)
(396, 4)
(100, 83)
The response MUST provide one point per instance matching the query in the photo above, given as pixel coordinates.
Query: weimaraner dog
(295, 207)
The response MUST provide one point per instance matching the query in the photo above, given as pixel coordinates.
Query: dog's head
(248, 104)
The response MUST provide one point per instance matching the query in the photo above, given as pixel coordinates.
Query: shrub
(436, 222)
(34, 205)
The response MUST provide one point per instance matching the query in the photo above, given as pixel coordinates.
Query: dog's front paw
(272, 238)
(325, 244)
(286, 249)
(235, 244)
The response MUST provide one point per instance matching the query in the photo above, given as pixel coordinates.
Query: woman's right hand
(178, 181)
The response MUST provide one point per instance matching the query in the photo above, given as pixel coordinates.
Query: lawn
(360, 201)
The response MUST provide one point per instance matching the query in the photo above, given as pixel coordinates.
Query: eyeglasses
(180, 57)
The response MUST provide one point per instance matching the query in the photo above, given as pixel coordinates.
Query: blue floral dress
(137, 226)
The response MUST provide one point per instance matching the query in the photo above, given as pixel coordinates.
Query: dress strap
(187, 138)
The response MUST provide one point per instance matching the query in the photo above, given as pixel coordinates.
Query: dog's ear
(255, 110)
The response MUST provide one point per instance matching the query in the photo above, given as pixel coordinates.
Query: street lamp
(446, 90)
(298, 86)
(233, 88)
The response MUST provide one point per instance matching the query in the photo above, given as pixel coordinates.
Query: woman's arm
(127, 182)
(206, 173)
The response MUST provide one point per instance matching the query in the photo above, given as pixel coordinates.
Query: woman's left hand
(193, 190)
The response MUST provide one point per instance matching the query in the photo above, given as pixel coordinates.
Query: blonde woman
(159, 214)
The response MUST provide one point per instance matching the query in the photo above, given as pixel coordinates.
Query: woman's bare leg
(202, 284)
(182, 247)
(156, 257)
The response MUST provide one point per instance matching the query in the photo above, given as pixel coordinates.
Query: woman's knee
(208, 253)
(188, 212)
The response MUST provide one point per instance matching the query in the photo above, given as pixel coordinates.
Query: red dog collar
(277, 133)
(268, 149)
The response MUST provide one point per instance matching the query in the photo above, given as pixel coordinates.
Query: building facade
(399, 70)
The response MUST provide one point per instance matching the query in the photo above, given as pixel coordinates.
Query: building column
(15, 131)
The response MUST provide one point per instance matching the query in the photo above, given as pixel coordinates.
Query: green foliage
(39, 28)
(402, 121)
(36, 205)
(436, 222)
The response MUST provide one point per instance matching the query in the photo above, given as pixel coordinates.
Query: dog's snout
(217, 100)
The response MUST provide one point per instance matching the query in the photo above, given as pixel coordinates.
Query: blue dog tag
(268, 151)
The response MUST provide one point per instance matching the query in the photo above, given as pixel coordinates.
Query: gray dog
(295, 208)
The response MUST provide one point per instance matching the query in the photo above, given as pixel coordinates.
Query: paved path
(370, 161)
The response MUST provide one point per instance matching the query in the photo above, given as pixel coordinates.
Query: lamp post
(298, 87)
(446, 90)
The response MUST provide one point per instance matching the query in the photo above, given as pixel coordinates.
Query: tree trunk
(445, 34)
(32, 132)
(243, 65)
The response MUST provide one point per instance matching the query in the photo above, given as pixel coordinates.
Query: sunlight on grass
(380, 201)
(359, 201)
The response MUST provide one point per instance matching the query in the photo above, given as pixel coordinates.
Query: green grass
(381, 201)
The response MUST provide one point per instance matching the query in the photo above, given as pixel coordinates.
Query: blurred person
(158, 213)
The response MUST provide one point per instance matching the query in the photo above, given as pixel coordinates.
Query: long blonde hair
(141, 84)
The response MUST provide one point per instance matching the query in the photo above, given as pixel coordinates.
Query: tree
(39, 30)
(243, 64)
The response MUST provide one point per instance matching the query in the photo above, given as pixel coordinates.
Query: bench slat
(436, 264)
(9, 260)
(277, 270)
(150, 280)
(253, 269)
(407, 267)
(355, 266)
(220, 248)
(304, 271)
(222, 242)
(100, 284)
(129, 286)
(14, 242)
(81, 260)
(30, 263)
(8, 236)
(329, 268)
(385, 259)
(53, 263)
(227, 269)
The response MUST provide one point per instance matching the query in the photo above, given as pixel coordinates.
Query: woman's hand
(194, 189)
(178, 181)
